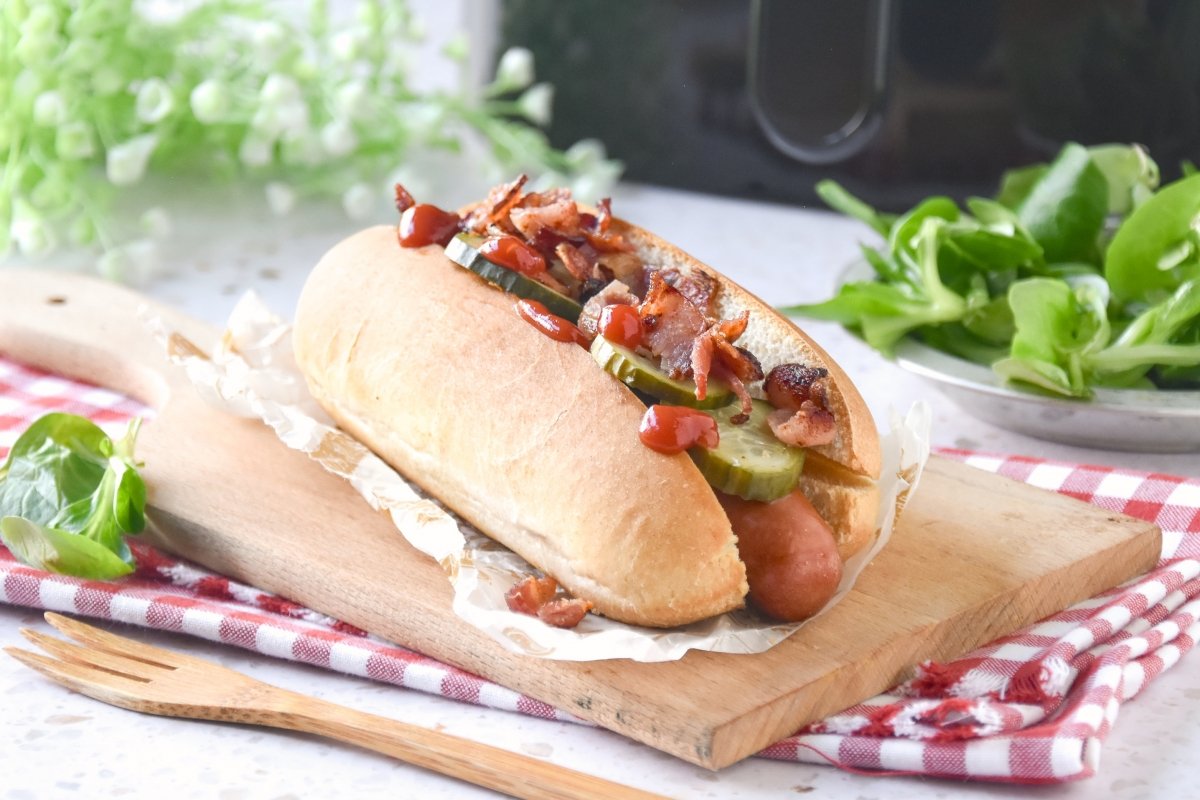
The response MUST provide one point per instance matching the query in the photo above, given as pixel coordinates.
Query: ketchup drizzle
(424, 224)
(621, 325)
(511, 252)
(673, 429)
(552, 325)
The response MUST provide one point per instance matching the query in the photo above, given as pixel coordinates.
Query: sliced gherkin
(750, 462)
(463, 250)
(642, 374)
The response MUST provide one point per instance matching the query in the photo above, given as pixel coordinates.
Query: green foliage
(1034, 282)
(68, 496)
(99, 93)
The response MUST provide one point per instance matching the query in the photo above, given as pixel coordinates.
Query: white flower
(156, 222)
(347, 46)
(256, 150)
(126, 162)
(359, 201)
(302, 148)
(515, 70)
(339, 138)
(42, 20)
(154, 101)
(458, 48)
(50, 109)
(73, 141)
(135, 263)
(279, 90)
(210, 101)
(424, 120)
(350, 99)
(81, 230)
(52, 193)
(83, 54)
(535, 103)
(272, 121)
(30, 231)
(268, 36)
(280, 197)
(585, 154)
(107, 80)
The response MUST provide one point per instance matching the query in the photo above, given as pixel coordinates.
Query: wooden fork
(139, 677)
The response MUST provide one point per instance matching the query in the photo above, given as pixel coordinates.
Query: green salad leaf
(1079, 273)
(69, 494)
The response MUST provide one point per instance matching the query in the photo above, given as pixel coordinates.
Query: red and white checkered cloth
(1033, 707)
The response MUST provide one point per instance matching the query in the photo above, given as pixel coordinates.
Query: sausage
(790, 553)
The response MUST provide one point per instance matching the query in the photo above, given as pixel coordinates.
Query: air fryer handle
(818, 74)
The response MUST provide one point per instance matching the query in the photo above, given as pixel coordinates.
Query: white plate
(1164, 421)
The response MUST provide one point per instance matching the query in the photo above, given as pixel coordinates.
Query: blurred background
(896, 99)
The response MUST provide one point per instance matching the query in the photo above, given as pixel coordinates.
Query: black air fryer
(897, 99)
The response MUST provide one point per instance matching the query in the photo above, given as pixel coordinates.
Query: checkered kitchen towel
(1033, 707)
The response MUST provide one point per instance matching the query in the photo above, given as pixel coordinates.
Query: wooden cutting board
(975, 556)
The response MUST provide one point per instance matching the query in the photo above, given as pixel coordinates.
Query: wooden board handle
(88, 329)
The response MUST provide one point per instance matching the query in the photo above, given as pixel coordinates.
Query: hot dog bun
(534, 444)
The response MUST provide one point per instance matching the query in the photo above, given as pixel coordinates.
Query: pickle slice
(463, 250)
(640, 373)
(750, 462)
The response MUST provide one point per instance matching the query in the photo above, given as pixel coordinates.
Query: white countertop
(57, 744)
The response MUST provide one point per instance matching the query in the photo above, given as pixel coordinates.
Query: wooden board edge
(761, 727)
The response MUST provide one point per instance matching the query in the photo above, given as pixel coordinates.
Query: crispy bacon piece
(531, 594)
(625, 267)
(575, 261)
(672, 324)
(697, 286)
(714, 348)
(720, 370)
(495, 209)
(800, 396)
(564, 612)
(559, 216)
(615, 293)
(791, 385)
(404, 200)
(536, 597)
(808, 426)
(604, 218)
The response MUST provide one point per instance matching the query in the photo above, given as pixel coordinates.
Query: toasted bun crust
(523, 436)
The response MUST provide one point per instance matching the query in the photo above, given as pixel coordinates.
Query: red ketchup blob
(621, 325)
(511, 252)
(425, 224)
(673, 429)
(554, 326)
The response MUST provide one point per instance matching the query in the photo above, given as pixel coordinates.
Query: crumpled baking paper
(252, 373)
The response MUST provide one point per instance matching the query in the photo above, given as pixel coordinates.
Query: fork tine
(86, 680)
(112, 643)
(100, 659)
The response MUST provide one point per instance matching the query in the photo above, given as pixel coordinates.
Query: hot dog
(490, 403)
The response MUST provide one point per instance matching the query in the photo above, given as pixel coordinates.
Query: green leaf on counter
(68, 496)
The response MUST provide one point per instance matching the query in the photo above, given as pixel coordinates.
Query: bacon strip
(576, 262)
(800, 395)
(672, 325)
(536, 597)
(404, 200)
(496, 207)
